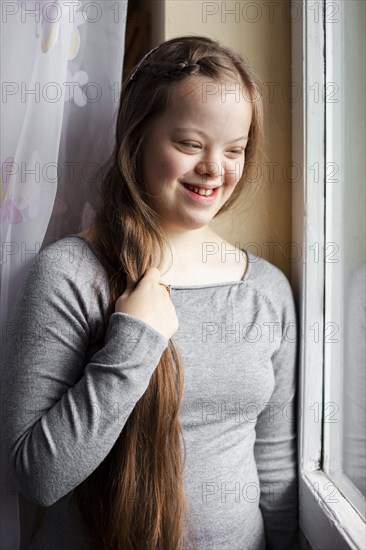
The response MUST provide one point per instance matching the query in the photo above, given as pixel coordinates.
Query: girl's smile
(204, 195)
(194, 154)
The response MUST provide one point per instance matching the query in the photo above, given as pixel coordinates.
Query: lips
(201, 195)
(202, 191)
(200, 185)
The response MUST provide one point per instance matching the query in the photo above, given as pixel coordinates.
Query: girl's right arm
(64, 407)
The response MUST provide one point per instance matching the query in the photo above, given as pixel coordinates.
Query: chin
(197, 224)
(185, 226)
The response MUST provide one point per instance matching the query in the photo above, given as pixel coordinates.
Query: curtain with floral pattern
(61, 74)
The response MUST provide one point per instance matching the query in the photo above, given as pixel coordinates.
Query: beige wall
(264, 37)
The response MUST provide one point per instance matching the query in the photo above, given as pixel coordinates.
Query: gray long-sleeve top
(74, 370)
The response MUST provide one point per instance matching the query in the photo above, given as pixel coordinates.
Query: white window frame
(327, 518)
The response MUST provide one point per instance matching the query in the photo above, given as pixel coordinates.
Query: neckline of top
(249, 260)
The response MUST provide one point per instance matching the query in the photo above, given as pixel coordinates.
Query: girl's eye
(190, 145)
(237, 151)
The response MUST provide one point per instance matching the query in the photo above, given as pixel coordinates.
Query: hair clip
(132, 77)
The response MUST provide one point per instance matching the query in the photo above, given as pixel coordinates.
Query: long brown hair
(135, 498)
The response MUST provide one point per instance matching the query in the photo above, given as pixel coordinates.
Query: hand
(150, 302)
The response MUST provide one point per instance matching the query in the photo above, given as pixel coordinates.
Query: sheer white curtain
(61, 75)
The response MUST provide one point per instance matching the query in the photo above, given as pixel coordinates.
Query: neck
(188, 247)
(190, 242)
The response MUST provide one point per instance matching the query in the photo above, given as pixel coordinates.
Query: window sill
(334, 523)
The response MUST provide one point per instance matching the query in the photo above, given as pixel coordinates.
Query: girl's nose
(211, 169)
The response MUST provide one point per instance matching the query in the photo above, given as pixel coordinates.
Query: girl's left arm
(275, 448)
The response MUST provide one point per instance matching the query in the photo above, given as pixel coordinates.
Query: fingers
(152, 274)
(130, 285)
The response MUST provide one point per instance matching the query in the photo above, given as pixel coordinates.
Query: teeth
(200, 191)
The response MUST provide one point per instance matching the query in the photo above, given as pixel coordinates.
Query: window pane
(345, 332)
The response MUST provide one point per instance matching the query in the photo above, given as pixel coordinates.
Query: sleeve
(62, 413)
(275, 448)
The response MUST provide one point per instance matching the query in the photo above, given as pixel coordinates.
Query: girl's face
(200, 140)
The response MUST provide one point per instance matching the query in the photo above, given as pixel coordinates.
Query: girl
(129, 439)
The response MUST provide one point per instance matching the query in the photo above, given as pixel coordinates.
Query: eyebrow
(202, 133)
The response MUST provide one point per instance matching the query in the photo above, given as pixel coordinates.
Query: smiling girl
(130, 439)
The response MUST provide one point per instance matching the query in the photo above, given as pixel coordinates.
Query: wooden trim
(138, 29)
